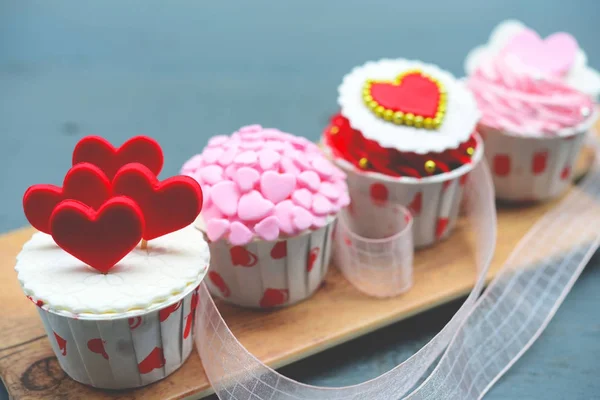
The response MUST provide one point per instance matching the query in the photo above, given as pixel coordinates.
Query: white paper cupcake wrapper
(265, 274)
(125, 352)
(530, 169)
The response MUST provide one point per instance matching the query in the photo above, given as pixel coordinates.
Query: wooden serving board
(442, 273)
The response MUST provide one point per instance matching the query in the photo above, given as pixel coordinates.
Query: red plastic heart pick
(167, 206)
(100, 152)
(98, 238)
(84, 182)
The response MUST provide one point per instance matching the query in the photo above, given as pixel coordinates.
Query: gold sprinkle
(409, 119)
(398, 117)
(334, 130)
(363, 163)
(388, 115)
(418, 121)
(430, 166)
(470, 151)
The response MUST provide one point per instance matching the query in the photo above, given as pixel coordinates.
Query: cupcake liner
(530, 169)
(125, 352)
(265, 274)
(377, 200)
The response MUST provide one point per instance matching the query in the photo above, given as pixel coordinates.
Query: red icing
(154, 360)
(167, 206)
(350, 145)
(312, 257)
(164, 313)
(98, 238)
(84, 182)
(100, 152)
(274, 297)
(97, 346)
(242, 257)
(219, 282)
(415, 94)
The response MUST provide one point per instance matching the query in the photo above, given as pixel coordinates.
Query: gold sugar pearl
(372, 105)
(428, 123)
(334, 130)
(368, 98)
(470, 151)
(398, 117)
(363, 163)
(430, 166)
(379, 111)
(409, 119)
(388, 115)
(418, 121)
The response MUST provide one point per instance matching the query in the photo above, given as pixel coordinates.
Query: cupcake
(533, 123)
(115, 279)
(558, 55)
(405, 136)
(270, 205)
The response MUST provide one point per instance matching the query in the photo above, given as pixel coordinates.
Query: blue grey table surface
(186, 70)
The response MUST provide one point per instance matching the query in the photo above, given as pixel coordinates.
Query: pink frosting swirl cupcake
(270, 204)
(533, 126)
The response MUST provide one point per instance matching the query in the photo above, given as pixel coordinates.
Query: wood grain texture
(30, 370)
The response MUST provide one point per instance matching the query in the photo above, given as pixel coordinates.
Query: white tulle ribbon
(483, 339)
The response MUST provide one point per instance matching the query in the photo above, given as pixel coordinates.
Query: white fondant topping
(580, 77)
(144, 280)
(458, 124)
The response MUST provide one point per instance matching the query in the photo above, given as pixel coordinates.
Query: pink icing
(514, 97)
(265, 183)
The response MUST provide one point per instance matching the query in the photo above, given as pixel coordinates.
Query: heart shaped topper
(167, 206)
(100, 152)
(98, 238)
(413, 99)
(554, 55)
(84, 182)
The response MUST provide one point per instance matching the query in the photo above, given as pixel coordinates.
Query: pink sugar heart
(268, 159)
(225, 196)
(246, 158)
(302, 197)
(301, 161)
(251, 145)
(239, 234)
(329, 190)
(554, 55)
(211, 212)
(253, 206)
(288, 166)
(321, 205)
(250, 128)
(218, 140)
(206, 201)
(216, 229)
(318, 222)
(277, 187)
(212, 154)
(246, 178)
(323, 167)
(211, 174)
(309, 179)
(274, 145)
(283, 213)
(231, 171)
(192, 164)
(343, 201)
(301, 218)
(268, 228)
(228, 156)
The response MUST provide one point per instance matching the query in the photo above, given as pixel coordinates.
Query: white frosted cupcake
(405, 136)
(270, 206)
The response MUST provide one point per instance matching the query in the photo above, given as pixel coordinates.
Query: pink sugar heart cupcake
(533, 123)
(405, 136)
(270, 205)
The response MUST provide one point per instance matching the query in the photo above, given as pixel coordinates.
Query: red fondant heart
(84, 182)
(414, 93)
(154, 360)
(98, 151)
(167, 206)
(98, 238)
(279, 250)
